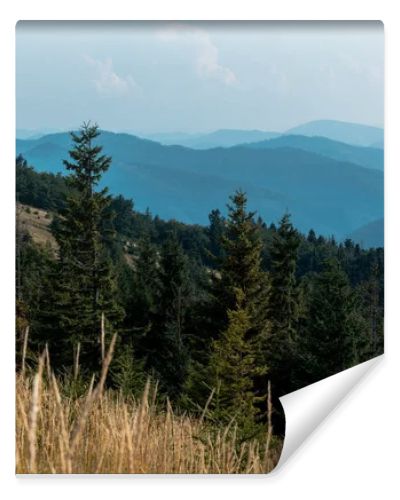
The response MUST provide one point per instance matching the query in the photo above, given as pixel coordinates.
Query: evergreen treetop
(86, 286)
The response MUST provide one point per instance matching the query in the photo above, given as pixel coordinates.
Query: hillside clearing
(37, 223)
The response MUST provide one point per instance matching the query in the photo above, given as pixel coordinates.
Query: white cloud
(107, 81)
(207, 60)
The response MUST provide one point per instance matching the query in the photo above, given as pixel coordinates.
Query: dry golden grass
(104, 432)
(36, 222)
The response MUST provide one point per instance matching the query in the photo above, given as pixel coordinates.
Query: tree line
(212, 313)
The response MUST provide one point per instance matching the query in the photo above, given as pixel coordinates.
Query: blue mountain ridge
(364, 156)
(333, 197)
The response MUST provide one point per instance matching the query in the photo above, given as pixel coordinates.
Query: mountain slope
(364, 156)
(176, 182)
(369, 235)
(351, 133)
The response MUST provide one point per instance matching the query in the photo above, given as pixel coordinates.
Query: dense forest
(212, 313)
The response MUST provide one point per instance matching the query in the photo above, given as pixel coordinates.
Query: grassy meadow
(102, 431)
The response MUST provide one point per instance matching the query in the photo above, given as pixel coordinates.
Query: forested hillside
(188, 301)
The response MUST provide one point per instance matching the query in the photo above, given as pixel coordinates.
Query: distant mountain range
(364, 156)
(23, 133)
(349, 133)
(220, 138)
(321, 192)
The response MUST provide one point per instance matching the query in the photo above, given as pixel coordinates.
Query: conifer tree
(330, 333)
(142, 290)
(127, 371)
(34, 301)
(240, 266)
(215, 232)
(311, 237)
(240, 295)
(283, 307)
(234, 369)
(86, 285)
(167, 354)
(146, 285)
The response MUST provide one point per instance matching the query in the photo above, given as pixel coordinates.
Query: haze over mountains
(224, 138)
(350, 133)
(24, 133)
(364, 156)
(330, 186)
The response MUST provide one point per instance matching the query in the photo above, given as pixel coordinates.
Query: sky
(197, 76)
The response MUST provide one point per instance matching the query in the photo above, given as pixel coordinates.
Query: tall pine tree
(237, 362)
(146, 286)
(234, 366)
(86, 285)
(215, 233)
(283, 307)
(331, 332)
(166, 349)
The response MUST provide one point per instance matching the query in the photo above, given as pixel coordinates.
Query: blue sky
(195, 77)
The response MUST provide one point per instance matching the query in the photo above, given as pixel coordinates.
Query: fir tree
(86, 285)
(147, 284)
(283, 307)
(38, 276)
(328, 342)
(234, 369)
(240, 266)
(167, 354)
(241, 308)
(311, 238)
(216, 230)
(127, 371)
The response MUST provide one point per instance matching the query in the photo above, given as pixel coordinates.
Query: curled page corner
(306, 408)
